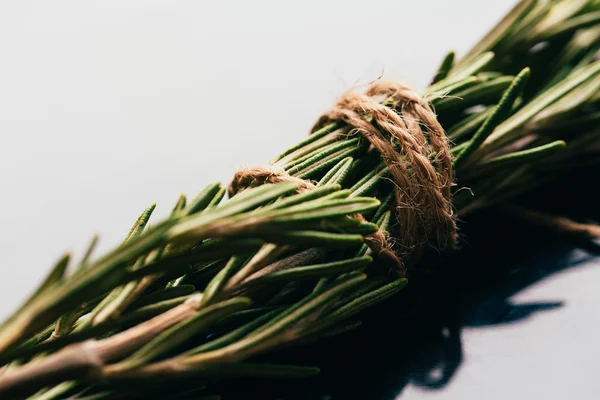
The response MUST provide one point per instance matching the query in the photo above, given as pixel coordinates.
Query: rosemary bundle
(327, 229)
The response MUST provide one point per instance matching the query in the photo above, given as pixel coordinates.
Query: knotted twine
(403, 128)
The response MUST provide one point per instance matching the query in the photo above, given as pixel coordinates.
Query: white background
(108, 106)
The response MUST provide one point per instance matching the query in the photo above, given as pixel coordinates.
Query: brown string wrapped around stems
(404, 129)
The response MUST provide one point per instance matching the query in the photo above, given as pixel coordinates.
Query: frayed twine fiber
(401, 125)
(252, 177)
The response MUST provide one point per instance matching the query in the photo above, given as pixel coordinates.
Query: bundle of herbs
(330, 227)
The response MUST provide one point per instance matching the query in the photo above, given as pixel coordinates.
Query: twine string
(403, 128)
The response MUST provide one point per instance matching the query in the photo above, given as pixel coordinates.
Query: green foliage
(217, 283)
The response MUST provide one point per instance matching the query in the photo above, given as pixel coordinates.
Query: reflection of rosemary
(201, 293)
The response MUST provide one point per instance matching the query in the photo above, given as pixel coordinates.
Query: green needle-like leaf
(323, 164)
(524, 156)
(87, 255)
(54, 278)
(140, 224)
(302, 198)
(569, 26)
(203, 199)
(177, 334)
(444, 68)
(164, 294)
(232, 336)
(314, 238)
(484, 93)
(220, 280)
(326, 130)
(337, 174)
(370, 181)
(309, 272)
(368, 299)
(499, 113)
(469, 125)
(507, 131)
(318, 155)
(463, 71)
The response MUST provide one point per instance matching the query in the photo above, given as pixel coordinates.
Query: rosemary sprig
(203, 292)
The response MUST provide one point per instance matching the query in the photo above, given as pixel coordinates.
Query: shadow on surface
(416, 337)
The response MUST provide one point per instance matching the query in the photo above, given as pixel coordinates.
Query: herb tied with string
(198, 296)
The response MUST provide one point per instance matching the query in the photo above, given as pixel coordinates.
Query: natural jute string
(403, 128)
